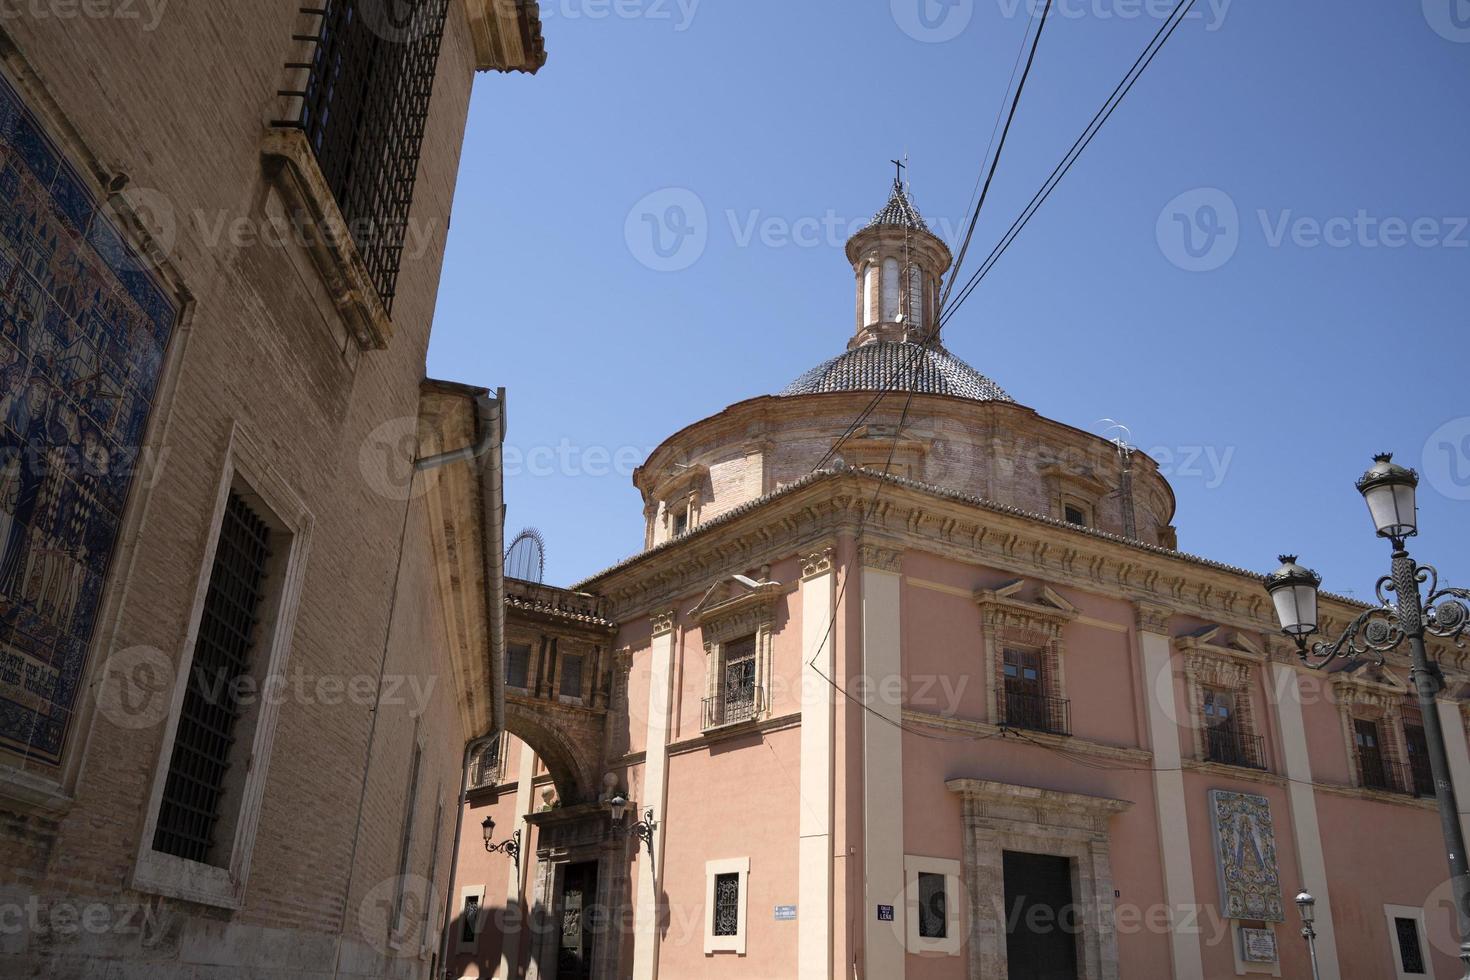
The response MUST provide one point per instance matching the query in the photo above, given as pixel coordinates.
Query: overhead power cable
(1151, 51)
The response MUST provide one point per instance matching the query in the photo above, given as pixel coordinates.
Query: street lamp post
(1389, 492)
(1307, 905)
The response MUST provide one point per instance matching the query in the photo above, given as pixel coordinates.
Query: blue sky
(1261, 266)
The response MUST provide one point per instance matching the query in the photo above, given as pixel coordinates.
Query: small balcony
(1037, 713)
(736, 705)
(1376, 772)
(1229, 747)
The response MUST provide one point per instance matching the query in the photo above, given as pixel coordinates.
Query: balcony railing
(1230, 747)
(734, 706)
(1378, 773)
(1420, 777)
(1037, 713)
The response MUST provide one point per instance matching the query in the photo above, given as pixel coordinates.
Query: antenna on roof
(1119, 435)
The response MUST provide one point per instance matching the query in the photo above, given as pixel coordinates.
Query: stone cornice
(1004, 611)
(880, 558)
(805, 515)
(1048, 806)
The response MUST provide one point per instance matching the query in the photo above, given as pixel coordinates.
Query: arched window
(890, 289)
(870, 296)
(916, 313)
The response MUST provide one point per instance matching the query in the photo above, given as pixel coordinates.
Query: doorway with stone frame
(1001, 817)
(582, 894)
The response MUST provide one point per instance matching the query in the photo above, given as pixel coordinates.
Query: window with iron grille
(363, 105)
(727, 904)
(204, 751)
(933, 908)
(518, 666)
(571, 675)
(471, 919)
(1411, 954)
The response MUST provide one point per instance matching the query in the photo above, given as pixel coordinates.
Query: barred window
(518, 666)
(1411, 954)
(205, 743)
(727, 904)
(571, 675)
(933, 918)
(471, 919)
(363, 105)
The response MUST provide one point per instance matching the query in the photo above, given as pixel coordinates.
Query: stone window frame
(1208, 665)
(684, 492)
(726, 944)
(1008, 622)
(1392, 912)
(751, 614)
(462, 945)
(951, 869)
(1000, 817)
(245, 468)
(1375, 696)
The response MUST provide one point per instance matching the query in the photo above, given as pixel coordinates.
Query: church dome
(900, 366)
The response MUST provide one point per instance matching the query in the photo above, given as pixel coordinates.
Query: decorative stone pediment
(988, 799)
(1370, 687)
(736, 606)
(1042, 616)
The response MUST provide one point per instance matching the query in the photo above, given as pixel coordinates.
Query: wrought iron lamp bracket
(1375, 632)
(644, 828)
(510, 848)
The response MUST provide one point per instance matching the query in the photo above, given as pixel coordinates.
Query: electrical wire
(1115, 98)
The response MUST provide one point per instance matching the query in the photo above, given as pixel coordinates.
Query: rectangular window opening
(471, 919)
(518, 666)
(1411, 954)
(727, 905)
(571, 675)
(207, 768)
(933, 906)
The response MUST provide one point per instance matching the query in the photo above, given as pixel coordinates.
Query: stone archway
(569, 744)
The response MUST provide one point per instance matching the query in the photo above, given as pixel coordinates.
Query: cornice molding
(880, 558)
(663, 622)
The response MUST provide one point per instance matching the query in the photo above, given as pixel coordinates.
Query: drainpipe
(490, 415)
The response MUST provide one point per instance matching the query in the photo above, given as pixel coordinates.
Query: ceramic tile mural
(83, 329)
(1245, 856)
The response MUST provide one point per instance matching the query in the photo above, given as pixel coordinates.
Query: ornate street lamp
(643, 829)
(1307, 905)
(511, 848)
(1403, 614)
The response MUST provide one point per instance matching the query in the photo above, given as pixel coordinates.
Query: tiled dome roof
(903, 366)
(899, 211)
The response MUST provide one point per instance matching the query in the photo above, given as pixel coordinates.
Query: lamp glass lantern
(1307, 905)
(1389, 490)
(1293, 590)
(488, 826)
(619, 805)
